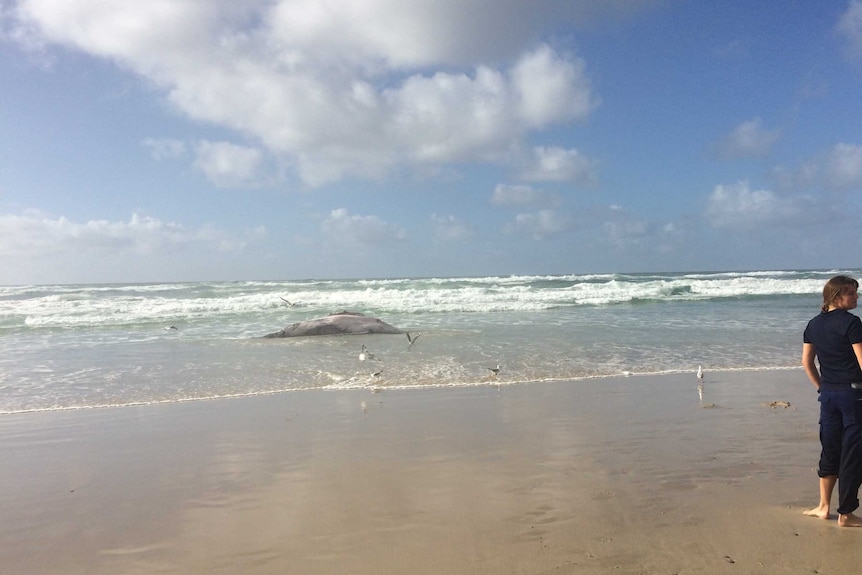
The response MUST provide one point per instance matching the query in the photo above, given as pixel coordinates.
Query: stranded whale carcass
(341, 323)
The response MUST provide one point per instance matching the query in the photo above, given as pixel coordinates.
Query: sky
(206, 140)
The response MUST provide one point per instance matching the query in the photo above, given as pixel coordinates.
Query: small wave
(356, 384)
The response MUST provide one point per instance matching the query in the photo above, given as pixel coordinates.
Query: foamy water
(82, 346)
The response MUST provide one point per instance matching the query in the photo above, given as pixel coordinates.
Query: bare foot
(849, 520)
(821, 511)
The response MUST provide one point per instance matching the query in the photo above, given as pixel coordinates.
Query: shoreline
(335, 388)
(570, 477)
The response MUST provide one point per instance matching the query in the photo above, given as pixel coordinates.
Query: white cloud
(34, 235)
(424, 33)
(400, 35)
(555, 164)
(622, 228)
(452, 117)
(541, 224)
(551, 88)
(800, 177)
(839, 168)
(449, 229)
(738, 206)
(750, 139)
(343, 88)
(844, 166)
(361, 231)
(36, 247)
(522, 195)
(228, 165)
(623, 231)
(850, 26)
(137, 35)
(165, 148)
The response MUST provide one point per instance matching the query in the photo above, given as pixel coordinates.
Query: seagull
(700, 384)
(495, 370)
(289, 304)
(411, 340)
(375, 376)
(365, 354)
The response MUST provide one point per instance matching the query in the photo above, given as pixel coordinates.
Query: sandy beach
(622, 475)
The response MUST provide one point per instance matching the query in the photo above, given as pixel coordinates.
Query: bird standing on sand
(700, 382)
(495, 370)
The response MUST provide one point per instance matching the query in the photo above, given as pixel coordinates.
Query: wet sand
(625, 475)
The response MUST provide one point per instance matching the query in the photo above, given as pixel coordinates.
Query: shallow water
(84, 346)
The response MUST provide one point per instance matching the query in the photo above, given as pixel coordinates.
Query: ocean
(110, 345)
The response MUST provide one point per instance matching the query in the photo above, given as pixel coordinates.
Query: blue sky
(289, 139)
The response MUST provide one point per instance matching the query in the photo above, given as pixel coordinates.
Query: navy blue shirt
(833, 333)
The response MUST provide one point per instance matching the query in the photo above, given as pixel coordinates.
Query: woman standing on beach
(835, 338)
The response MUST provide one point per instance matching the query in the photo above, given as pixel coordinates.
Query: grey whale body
(340, 323)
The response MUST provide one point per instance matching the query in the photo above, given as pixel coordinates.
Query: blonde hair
(835, 288)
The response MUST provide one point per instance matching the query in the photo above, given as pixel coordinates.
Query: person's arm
(810, 367)
(857, 349)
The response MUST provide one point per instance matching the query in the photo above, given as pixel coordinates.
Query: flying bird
(289, 303)
(411, 340)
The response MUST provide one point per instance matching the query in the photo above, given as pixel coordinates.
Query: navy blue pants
(841, 443)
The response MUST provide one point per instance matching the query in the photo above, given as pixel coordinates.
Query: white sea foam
(75, 306)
